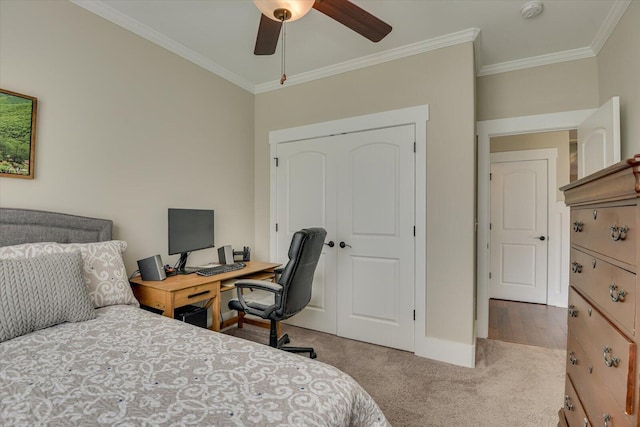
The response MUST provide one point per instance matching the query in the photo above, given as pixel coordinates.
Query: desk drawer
(602, 230)
(611, 354)
(612, 288)
(195, 294)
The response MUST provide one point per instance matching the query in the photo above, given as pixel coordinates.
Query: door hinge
(490, 176)
(414, 231)
(277, 161)
(414, 315)
(414, 146)
(489, 275)
(276, 227)
(489, 226)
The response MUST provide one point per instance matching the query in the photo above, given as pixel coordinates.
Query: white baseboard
(452, 352)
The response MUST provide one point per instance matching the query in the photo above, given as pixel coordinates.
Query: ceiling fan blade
(354, 17)
(268, 33)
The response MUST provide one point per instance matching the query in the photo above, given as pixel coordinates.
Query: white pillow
(103, 268)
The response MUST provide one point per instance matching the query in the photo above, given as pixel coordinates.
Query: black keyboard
(219, 269)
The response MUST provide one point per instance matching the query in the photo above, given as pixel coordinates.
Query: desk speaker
(225, 254)
(151, 268)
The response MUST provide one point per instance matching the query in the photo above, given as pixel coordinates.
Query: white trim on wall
(417, 116)
(510, 126)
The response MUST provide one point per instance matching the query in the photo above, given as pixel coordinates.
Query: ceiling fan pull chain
(284, 45)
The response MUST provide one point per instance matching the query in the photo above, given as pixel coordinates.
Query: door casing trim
(499, 127)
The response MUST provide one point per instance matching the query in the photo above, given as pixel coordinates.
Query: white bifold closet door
(361, 188)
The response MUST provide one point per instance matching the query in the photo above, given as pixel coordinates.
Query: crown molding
(103, 10)
(536, 61)
(378, 58)
(110, 14)
(609, 24)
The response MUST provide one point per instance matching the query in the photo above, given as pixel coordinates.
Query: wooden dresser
(601, 386)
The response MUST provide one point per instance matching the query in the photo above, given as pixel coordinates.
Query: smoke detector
(531, 9)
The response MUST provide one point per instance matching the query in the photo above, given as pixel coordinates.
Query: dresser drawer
(595, 398)
(573, 410)
(612, 288)
(611, 354)
(195, 294)
(609, 231)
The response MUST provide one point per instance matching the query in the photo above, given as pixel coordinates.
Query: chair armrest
(263, 285)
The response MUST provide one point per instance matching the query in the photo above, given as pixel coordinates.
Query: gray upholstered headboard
(27, 226)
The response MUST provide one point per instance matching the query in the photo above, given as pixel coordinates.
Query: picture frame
(17, 134)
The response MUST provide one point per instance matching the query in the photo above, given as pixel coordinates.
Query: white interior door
(599, 139)
(376, 220)
(519, 240)
(360, 188)
(306, 172)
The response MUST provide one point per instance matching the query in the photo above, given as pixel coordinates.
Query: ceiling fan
(276, 12)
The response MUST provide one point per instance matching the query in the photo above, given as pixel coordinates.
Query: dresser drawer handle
(618, 233)
(576, 267)
(616, 296)
(607, 419)
(577, 226)
(573, 311)
(613, 362)
(567, 403)
(572, 358)
(198, 294)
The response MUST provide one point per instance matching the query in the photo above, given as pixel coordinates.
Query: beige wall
(619, 75)
(125, 128)
(534, 141)
(565, 86)
(445, 80)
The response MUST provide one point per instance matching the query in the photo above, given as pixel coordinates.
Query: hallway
(532, 324)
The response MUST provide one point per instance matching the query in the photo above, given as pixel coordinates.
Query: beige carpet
(512, 384)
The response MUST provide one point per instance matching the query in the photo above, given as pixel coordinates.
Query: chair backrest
(297, 275)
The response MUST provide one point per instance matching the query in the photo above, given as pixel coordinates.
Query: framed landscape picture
(17, 134)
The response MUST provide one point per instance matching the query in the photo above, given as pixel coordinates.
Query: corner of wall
(452, 352)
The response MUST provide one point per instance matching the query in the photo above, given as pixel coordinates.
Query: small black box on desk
(192, 314)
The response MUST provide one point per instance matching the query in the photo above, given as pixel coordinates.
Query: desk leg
(215, 310)
(170, 304)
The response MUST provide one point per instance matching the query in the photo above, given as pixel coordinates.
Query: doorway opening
(502, 127)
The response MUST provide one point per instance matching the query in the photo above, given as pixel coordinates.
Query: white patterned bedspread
(129, 367)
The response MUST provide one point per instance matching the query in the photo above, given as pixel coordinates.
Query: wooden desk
(183, 289)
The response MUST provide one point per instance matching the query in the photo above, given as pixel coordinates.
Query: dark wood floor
(533, 324)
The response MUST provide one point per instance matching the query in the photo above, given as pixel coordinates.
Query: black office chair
(292, 289)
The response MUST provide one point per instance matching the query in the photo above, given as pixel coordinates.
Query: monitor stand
(182, 265)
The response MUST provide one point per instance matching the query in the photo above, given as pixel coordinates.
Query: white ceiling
(219, 35)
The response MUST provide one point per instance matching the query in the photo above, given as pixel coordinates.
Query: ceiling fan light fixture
(273, 8)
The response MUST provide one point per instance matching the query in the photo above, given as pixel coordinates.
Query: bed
(82, 351)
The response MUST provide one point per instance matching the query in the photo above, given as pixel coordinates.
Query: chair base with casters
(274, 341)
(291, 291)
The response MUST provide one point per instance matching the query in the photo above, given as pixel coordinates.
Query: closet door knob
(330, 244)
(343, 245)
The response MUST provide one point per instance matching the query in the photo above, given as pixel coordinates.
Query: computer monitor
(189, 230)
